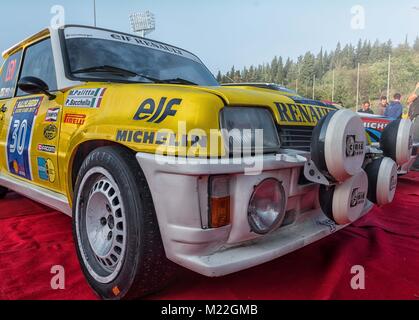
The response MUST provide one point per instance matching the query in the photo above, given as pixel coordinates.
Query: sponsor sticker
(52, 115)
(19, 136)
(161, 138)
(85, 98)
(357, 198)
(353, 147)
(115, 37)
(328, 223)
(73, 118)
(157, 111)
(50, 132)
(46, 148)
(301, 114)
(393, 183)
(46, 170)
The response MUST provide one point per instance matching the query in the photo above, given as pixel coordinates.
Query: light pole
(389, 76)
(94, 13)
(357, 87)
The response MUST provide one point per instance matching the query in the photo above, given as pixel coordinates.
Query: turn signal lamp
(219, 201)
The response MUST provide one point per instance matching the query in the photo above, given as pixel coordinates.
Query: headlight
(267, 207)
(244, 128)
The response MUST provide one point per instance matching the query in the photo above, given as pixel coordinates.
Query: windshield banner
(90, 33)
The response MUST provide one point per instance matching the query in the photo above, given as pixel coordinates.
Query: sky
(224, 33)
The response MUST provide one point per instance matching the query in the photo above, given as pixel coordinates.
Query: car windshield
(111, 56)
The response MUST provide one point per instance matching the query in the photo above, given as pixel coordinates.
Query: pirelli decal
(301, 114)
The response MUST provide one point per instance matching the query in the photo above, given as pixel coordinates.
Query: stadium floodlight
(143, 23)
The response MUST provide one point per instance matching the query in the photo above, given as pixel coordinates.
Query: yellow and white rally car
(157, 163)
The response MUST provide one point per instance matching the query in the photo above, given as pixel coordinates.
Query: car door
(34, 123)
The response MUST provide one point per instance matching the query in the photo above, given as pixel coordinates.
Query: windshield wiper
(179, 81)
(117, 71)
(128, 73)
(107, 69)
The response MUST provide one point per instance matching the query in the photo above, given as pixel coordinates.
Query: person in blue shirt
(395, 109)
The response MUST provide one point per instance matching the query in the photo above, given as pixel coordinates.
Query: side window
(39, 62)
(9, 74)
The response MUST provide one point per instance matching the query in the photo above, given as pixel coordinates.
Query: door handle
(3, 109)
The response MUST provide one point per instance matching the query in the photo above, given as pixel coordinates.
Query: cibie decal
(85, 98)
(46, 170)
(19, 137)
(357, 198)
(72, 118)
(50, 132)
(393, 183)
(156, 112)
(46, 148)
(52, 115)
(353, 147)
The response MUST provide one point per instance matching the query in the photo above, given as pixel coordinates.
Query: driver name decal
(85, 98)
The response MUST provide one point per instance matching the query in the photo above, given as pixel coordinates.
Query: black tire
(145, 268)
(3, 192)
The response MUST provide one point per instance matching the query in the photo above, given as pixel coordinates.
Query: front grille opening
(297, 138)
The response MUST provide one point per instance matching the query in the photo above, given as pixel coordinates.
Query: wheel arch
(80, 153)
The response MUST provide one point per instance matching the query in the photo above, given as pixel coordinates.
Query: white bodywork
(180, 194)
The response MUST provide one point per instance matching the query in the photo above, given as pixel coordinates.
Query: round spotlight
(345, 203)
(397, 141)
(267, 206)
(382, 178)
(338, 145)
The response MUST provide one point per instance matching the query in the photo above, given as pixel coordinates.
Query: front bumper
(179, 188)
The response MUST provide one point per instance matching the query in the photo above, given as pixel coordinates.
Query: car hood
(287, 109)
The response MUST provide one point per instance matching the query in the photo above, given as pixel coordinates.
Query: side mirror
(33, 85)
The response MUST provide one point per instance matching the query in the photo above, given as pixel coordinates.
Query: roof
(32, 38)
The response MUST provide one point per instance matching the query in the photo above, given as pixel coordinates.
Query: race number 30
(19, 134)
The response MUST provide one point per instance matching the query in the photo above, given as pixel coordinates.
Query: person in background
(382, 106)
(366, 108)
(395, 109)
(413, 103)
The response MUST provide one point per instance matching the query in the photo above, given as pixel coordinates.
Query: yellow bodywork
(133, 115)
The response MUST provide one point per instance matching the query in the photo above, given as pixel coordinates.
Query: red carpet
(34, 238)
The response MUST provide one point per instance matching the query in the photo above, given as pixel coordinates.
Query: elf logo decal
(357, 198)
(152, 112)
(353, 147)
(19, 137)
